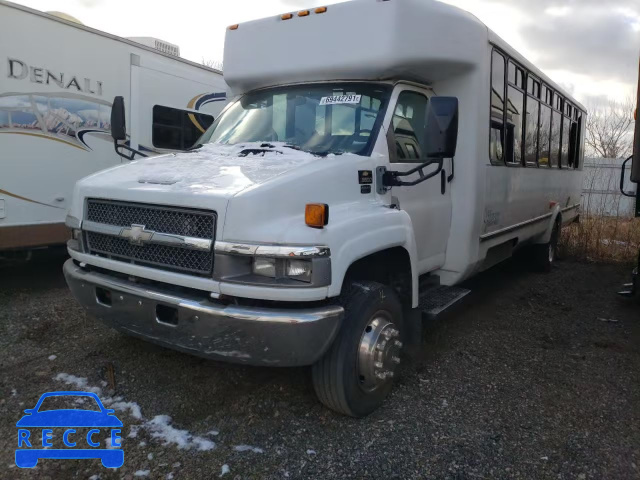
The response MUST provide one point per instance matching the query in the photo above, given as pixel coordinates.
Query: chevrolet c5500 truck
(377, 154)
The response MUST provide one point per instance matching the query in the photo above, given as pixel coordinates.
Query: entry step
(435, 300)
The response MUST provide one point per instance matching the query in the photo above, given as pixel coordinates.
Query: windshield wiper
(195, 147)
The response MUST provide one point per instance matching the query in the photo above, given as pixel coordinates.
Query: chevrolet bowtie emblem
(137, 234)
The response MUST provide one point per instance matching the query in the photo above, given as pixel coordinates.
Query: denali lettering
(19, 70)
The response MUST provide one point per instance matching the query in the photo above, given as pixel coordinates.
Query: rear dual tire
(356, 374)
(543, 256)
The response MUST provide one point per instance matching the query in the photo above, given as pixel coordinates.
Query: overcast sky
(591, 47)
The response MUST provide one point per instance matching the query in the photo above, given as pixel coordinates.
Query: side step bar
(436, 299)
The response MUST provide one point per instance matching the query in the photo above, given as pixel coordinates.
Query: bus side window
(496, 138)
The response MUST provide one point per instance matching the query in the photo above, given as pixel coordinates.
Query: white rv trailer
(57, 84)
(349, 189)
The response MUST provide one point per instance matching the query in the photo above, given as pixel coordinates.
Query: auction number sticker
(340, 99)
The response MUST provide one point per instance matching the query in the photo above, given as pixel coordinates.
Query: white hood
(205, 178)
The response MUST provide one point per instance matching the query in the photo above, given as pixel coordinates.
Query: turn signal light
(286, 16)
(316, 215)
(320, 9)
(234, 27)
(303, 13)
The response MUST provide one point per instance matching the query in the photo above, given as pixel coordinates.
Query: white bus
(58, 79)
(379, 153)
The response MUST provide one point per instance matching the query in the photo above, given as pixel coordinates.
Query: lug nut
(398, 343)
(378, 365)
(381, 375)
(389, 374)
(395, 360)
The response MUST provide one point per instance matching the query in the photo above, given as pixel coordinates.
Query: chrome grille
(161, 219)
(176, 221)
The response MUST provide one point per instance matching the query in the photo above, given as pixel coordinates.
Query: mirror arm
(133, 151)
(450, 177)
(624, 166)
(390, 178)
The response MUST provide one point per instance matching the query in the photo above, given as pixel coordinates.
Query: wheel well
(390, 267)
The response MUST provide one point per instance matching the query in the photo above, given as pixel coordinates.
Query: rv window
(496, 139)
(409, 125)
(176, 129)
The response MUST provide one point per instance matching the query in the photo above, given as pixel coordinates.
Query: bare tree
(215, 64)
(610, 130)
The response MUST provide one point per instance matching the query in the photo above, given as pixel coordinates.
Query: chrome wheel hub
(378, 352)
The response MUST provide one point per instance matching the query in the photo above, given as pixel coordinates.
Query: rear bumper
(231, 333)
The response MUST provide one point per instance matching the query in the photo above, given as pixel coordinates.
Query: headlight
(265, 267)
(299, 270)
(294, 269)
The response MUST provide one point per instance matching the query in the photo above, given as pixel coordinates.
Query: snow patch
(142, 473)
(79, 382)
(160, 428)
(94, 477)
(248, 448)
(52, 357)
(14, 392)
(225, 470)
(311, 452)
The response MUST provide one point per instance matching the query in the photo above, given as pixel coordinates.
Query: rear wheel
(544, 255)
(356, 374)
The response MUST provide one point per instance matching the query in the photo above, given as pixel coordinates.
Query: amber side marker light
(320, 10)
(316, 215)
(303, 13)
(234, 27)
(286, 16)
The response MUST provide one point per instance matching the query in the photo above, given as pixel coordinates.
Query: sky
(590, 47)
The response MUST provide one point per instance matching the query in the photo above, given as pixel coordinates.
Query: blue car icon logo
(43, 431)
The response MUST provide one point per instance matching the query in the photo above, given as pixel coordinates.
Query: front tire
(356, 374)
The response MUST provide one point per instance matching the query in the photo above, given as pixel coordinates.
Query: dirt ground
(536, 376)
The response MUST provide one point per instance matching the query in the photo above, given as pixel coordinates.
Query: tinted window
(176, 129)
(545, 129)
(531, 135)
(566, 128)
(556, 125)
(515, 109)
(409, 125)
(496, 141)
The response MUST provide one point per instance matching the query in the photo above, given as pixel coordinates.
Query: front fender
(358, 234)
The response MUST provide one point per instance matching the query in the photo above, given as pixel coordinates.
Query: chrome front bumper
(231, 333)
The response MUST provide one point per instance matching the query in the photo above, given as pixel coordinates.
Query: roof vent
(160, 45)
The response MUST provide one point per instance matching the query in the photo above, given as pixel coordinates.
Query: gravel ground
(525, 380)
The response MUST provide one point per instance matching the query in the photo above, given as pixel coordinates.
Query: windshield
(317, 118)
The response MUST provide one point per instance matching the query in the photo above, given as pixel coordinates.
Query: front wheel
(356, 374)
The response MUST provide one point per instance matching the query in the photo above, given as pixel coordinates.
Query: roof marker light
(234, 27)
(303, 13)
(320, 10)
(286, 16)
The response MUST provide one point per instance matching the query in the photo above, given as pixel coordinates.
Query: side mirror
(118, 121)
(441, 127)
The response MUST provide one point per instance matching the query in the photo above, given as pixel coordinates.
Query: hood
(205, 178)
(221, 170)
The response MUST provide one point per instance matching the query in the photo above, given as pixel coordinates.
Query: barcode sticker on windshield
(354, 99)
